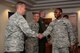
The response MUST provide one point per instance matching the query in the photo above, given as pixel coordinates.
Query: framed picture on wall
(10, 13)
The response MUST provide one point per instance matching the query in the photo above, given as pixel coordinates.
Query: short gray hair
(20, 3)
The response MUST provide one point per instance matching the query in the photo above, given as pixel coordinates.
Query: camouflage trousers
(31, 45)
(60, 50)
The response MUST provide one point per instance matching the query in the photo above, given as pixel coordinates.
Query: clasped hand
(40, 36)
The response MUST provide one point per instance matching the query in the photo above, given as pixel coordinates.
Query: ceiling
(45, 4)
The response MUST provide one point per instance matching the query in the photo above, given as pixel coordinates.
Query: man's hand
(40, 36)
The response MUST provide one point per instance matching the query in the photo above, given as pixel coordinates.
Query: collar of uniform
(60, 19)
(18, 14)
(35, 22)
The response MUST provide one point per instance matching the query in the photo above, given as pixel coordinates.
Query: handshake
(40, 36)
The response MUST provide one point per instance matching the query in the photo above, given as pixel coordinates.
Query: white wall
(79, 26)
(3, 21)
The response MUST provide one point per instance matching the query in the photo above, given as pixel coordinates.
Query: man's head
(58, 13)
(42, 14)
(21, 7)
(36, 16)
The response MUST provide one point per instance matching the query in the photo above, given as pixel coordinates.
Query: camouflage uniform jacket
(61, 33)
(17, 26)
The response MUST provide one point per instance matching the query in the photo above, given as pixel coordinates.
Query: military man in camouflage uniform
(61, 32)
(17, 26)
(31, 44)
